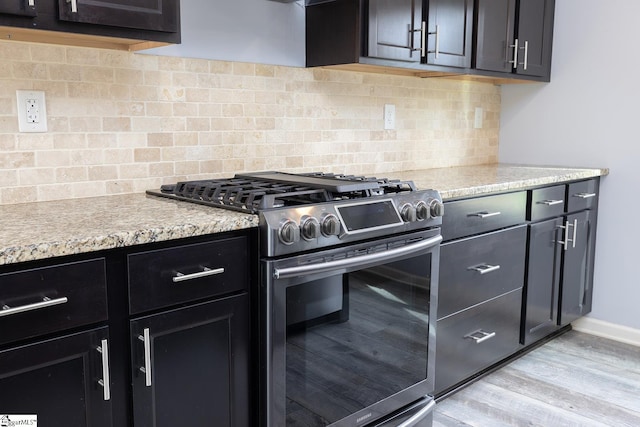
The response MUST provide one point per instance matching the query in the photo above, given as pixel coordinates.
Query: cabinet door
(18, 7)
(57, 380)
(394, 29)
(450, 25)
(190, 366)
(543, 280)
(155, 15)
(494, 34)
(577, 271)
(535, 33)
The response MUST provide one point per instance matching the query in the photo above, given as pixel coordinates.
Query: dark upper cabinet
(395, 28)
(155, 15)
(449, 32)
(515, 37)
(114, 24)
(18, 7)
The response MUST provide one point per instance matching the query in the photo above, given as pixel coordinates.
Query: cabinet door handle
(575, 233)
(146, 369)
(585, 195)
(46, 302)
(31, 3)
(484, 268)
(74, 5)
(423, 35)
(179, 277)
(105, 380)
(480, 336)
(526, 55)
(437, 34)
(550, 202)
(565, 227)
(485, 214)
(515, 54)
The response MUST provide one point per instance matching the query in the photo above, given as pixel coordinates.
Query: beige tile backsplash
(121, 122)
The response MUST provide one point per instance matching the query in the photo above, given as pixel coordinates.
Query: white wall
(260, 31)
(589, 115)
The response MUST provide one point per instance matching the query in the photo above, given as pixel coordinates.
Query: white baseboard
(608, 330)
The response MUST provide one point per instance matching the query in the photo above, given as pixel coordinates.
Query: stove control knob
(408, 212)
(309, 228)
(422, 210)
(330, 225)
(436, 208)
(289, 232)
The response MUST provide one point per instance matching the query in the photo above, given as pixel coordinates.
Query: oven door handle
(358, 261)
(419, 416)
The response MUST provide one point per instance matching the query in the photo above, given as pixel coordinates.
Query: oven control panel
(309, 227)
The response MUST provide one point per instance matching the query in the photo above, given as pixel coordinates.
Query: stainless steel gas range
(348, 295)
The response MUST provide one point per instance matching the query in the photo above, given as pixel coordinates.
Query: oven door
(348, 336)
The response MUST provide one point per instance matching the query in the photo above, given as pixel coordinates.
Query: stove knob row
(432, 208)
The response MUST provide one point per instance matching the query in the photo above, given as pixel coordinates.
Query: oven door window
(355, 339)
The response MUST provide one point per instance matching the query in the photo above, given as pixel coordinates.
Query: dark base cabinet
(58, 381)
(190, 366)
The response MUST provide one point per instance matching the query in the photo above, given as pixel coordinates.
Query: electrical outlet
(32, 111)
(389, 116)
(477, 124)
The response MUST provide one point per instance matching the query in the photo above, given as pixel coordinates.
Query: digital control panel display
(366, 216)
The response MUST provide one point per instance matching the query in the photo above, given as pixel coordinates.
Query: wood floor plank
(575, 380)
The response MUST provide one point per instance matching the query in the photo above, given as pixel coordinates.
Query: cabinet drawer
(175, 275)
(546, 202)
(50, 299)
(482, 214)
(476, 269)
(496, 328)
(582, 195)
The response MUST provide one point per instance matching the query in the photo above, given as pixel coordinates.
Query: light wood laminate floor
(575, 380)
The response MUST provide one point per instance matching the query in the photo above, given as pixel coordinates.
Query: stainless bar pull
(485, 214)
(526, 55)
(179, 277)
(46, 302)
(146, 369)
(105, 381)
(566, 241)
(575, 233)
(550, 202)
(515, 54)
(585, 195)
(484, 268)
(423, 39)
(418, 416)
(437, 43)
(357, 261)
(480, 336)
(31, 3)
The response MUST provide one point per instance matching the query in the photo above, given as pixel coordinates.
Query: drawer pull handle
(46, 302)
(585, 195)
(550, 202)
(480, 336)
(74, 5)
(485, 214)
(484, 268)
(180, 277)
(146, 369)
(105, 381)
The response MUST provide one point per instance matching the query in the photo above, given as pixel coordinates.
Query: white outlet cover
(389, 116)
(33, 102)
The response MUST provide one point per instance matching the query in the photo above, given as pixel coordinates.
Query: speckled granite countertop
(32, 231)
(467, 181)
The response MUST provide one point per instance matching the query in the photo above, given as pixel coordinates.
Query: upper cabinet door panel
(18, 7)
(495, 33)
(535, 33)
(154, 15)
(394, 29)
(450, 26)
